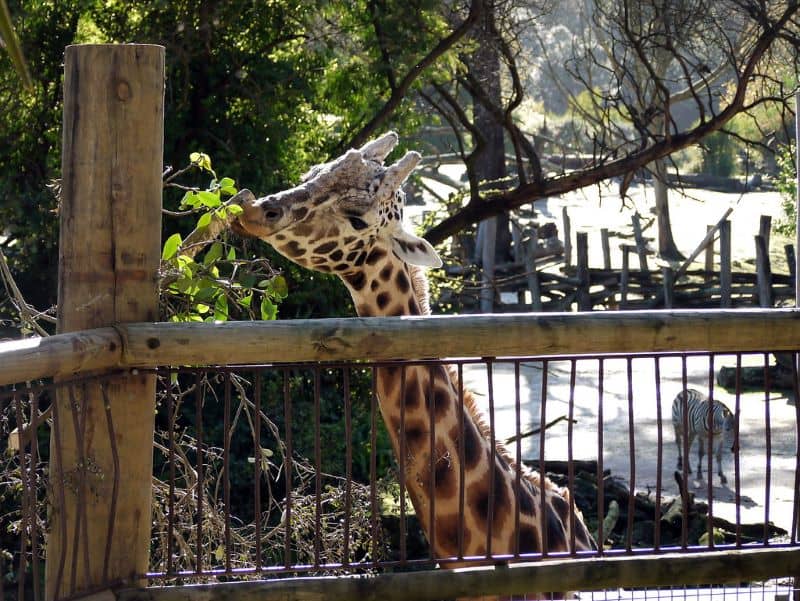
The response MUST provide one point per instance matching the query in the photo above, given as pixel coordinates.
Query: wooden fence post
(763, 273)
(567, 227)
(725, 275)
(584, 299)
(109, 255)
(530, 269)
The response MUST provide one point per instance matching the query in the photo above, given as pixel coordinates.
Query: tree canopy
(269, 88)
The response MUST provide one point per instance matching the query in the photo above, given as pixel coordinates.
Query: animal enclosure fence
(275, 475)
(106, 434)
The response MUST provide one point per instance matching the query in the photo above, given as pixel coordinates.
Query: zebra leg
(700, 453)
(680, 448)
(722, 477)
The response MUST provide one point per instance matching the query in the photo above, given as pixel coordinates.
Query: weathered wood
(605, 241)
(725, 277)
(765, 228)
(716, 567)
(641, 245)
(584, 301)
(791, 260)
(624, 277)
(532, 275)
(109, 254)
(668, 282)
(709, 257)
(147, 345)
(567, 227)
(59, 356)
(763, 272)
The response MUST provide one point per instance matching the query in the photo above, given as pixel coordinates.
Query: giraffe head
(340, 212)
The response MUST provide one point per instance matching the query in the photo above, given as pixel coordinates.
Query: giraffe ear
(414, 250)
(377, 150)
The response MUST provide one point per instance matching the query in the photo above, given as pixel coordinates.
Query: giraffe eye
(357, 223)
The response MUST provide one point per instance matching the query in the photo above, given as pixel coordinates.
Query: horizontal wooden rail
(716, 567)
(505, 335)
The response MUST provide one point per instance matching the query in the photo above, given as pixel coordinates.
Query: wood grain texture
(109, 252)
(577, 574)
(385, 338)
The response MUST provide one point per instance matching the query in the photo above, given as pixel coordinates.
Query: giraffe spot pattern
(357, 280)
(386, 273)
(293, 249)
(375, 255)
(325, 248)
(336, 255)
(382, 300)
(528, 539)
(403, 285)
(447, 529)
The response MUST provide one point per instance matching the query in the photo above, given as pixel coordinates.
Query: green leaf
(221, 308)
(234, 209)
(268, 309)
(171, 247)
(204, 221)
(201, 159)
(202, 308)
(227, 186)
(231, 254)
(214, 253)
(246, 301)
(190, 199)
(278, 288)
(208, 199)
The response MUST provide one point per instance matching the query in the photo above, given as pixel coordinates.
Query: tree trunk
(667, 249)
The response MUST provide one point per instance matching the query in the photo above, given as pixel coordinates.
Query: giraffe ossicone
(345, 217)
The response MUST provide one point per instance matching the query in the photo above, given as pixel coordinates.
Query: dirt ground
(767, 487)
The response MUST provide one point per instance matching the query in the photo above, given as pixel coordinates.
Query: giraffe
(345, 217)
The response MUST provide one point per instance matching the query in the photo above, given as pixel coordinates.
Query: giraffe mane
(419, 283)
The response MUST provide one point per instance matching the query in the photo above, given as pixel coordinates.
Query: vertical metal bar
(542, 470)
(226, 467)
(795, 504)
(59, 487)
(570, 463)
(632, 459)
(659, 458)
(517, 456)
(686, 458)
(27, 505)
(402, 462)
(601, 496)
(259, 455)
(112, 514)
(492, 460)
(737, 473)
(710, 449)
(373, 465)
(768, 449)
(198, 398)
(171, 395)
(461, 469)
(318, 471)
(348, 460)
(432, 458)
(289, 471)
(34, 453)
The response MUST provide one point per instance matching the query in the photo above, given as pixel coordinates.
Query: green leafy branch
(206, 278)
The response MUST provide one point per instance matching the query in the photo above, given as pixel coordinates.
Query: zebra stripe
(718, 423)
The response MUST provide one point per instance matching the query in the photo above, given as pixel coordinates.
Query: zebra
(722, 434)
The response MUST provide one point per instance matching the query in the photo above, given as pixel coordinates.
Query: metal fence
(282, 470)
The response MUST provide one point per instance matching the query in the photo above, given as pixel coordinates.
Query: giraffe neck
(424, 407)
